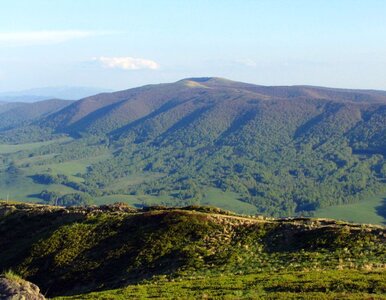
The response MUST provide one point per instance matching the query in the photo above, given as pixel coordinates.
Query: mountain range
(284, 150)
(218, 98)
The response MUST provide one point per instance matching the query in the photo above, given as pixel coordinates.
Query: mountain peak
(209, 82)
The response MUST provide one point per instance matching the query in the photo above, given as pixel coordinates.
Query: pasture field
(11, 148)
(212, 197)
(134, 179)
(228, 201)
(367, 211)
(24, 189)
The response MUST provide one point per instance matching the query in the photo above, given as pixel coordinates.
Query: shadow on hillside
(381, 210)
(22, 230)
(38, 196)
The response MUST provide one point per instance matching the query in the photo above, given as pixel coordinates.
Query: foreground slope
(76, 250)
(313, 284)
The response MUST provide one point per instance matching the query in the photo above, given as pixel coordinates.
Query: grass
(11, 275)
(76, 166)
(283, 285)
(227, 201)
(35, 159)
(134, 200)
(212, 197)
(23, 189)
(69, 168)
(9, 148)
(362, 212)
(134, 179)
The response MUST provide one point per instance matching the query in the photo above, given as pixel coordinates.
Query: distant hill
(5, 106)
(69, 251)
(18, 113)
(39, 94)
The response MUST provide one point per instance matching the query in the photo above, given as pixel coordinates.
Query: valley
(277, 151)
(192, 150)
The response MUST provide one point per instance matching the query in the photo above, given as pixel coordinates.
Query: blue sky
(119, 44)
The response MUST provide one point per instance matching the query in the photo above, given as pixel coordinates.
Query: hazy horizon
(43, 92)
(118, 45)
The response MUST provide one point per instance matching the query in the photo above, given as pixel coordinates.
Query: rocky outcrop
(12, 289)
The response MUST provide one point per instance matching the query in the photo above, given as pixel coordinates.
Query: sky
(119, 44)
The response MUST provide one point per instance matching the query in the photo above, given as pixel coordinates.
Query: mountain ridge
(129, 105)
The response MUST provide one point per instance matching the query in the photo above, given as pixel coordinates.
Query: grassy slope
(228, 201)
(284, 285)
(362, 212)
(23, 188)
(75, 251)
(69, 168)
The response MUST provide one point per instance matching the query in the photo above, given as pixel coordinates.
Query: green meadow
(10, 148)
(366, 211)
(227, 200)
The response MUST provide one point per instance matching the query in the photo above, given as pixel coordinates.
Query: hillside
(229, 100)
(279, 151)
(68, 251)
(17, 114)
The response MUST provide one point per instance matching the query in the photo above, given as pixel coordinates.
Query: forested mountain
(280, 150)
(225, 100)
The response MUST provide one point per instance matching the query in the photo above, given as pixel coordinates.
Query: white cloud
(25, 38)
(127, 63)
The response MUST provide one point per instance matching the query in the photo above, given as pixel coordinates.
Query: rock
(19, 289)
